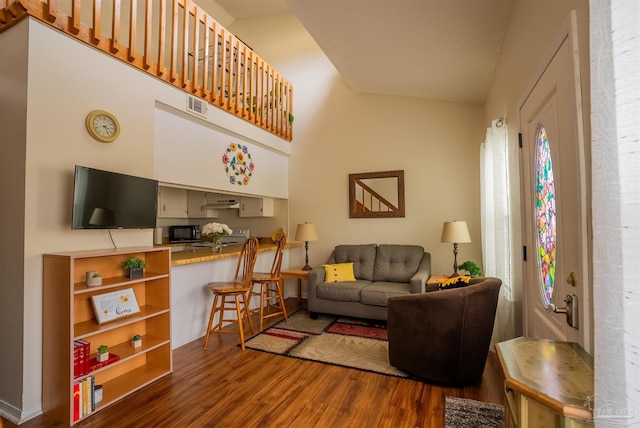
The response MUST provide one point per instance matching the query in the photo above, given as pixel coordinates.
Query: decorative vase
(136, 343)
(216, 245)
(102, 357)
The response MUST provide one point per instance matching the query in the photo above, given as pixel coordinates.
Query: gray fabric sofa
(381, 271)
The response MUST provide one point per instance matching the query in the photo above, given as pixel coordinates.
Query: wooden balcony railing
(177, 42)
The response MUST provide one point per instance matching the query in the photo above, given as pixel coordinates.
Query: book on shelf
(81, 350)
(94, 364)
(83, 399)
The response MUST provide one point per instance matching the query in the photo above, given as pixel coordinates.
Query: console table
(547, 383)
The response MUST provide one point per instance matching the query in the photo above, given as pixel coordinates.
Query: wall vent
(196, 106)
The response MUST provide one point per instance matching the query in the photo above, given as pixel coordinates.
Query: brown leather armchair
(444, 336)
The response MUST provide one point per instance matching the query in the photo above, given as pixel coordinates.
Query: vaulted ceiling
(434, 49)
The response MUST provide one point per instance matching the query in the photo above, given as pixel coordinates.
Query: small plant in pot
(136, 341)
(473, 269)
(103, 353)
(94, 279)
(134, 267)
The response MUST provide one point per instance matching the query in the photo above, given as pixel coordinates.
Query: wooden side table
(297, 273)
(547, 383)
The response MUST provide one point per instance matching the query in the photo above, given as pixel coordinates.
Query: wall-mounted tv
(109, 200)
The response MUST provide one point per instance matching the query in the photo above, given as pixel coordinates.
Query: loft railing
(177, 42)
(368, 200)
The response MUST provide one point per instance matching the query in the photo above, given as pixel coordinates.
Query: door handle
(571, 310)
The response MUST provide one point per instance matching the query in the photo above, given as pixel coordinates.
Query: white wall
(337, 132)
(65, 81)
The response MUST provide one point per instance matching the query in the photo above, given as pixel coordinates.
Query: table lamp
(306, 232)
(455, 232)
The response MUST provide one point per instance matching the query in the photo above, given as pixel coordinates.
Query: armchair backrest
(444, 336)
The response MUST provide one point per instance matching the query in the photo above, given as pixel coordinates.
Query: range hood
(223, 203)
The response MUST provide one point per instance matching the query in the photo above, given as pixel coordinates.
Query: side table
(547, 383)
(297, 273)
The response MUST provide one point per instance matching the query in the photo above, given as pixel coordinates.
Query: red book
(94, 364)
(84, 356)
(76, 359)
(76, 401)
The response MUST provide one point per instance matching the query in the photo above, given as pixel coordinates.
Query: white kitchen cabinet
(256, 207)
(196, 201)
(172, 202)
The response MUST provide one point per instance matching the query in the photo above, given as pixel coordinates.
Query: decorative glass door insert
(545, 214)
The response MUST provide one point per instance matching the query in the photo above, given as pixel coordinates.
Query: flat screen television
(109, 200)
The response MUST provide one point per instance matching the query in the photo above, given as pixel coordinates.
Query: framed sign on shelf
(111, 306)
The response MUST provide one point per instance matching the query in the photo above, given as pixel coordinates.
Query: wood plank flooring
(226, 387)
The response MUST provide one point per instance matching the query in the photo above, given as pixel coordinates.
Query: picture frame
(114, 305)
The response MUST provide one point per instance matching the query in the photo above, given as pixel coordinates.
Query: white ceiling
(434, 49)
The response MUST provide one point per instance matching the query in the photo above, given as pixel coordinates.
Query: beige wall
(338, 132)
(13, 123)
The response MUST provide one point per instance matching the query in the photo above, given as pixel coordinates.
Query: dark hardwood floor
(226, 387)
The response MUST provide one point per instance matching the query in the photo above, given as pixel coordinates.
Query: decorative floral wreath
(238, 164)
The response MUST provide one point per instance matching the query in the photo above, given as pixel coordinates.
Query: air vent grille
(196, 106)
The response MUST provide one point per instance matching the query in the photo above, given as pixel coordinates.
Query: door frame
(568, 31)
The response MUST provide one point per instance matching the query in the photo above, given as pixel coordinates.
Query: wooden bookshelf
(68, 315)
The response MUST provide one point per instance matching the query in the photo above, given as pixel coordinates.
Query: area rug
(465, 413)
(341, 341)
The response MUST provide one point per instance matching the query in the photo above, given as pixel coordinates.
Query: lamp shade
(306, 232)
(455, 232)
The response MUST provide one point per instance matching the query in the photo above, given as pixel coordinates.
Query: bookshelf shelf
(69, 316)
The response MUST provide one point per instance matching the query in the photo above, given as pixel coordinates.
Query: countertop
(200, 254)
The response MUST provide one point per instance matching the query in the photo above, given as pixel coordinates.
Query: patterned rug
(465, 413)
(341, 341)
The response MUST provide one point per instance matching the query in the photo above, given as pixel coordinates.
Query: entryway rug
(335, 340)
(466, 413)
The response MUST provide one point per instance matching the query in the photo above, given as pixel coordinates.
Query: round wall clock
(103, 126)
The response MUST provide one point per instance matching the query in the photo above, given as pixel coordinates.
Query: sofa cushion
(363, 257)
(397, 263)
(378, 293)
(339, 272)
(341, 291)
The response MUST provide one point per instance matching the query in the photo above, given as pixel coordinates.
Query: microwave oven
(184, 233)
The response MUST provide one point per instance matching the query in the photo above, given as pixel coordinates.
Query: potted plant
(136, 341)
(94, 279)
(134, 267)
(473, 269)
(103, 353)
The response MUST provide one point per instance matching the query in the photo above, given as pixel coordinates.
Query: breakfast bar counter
(192, 268)
(190, 255)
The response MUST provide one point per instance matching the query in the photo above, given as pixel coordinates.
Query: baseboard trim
(16, 416)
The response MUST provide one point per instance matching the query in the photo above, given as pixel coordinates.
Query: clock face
(103, 126)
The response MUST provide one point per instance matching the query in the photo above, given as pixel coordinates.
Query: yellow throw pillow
(341, 272)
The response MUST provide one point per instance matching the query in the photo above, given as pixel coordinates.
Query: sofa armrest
(418, 282)
(315, 278)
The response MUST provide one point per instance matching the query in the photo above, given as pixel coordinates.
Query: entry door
(554, 198)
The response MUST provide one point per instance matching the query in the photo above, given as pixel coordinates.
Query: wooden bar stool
(270, 287)
(234, 295)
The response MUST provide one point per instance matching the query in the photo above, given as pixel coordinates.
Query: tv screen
(109, 200)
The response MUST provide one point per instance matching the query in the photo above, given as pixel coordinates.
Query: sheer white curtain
(496, 223)
(615, 125)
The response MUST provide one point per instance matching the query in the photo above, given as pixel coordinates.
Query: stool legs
(219, 306)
